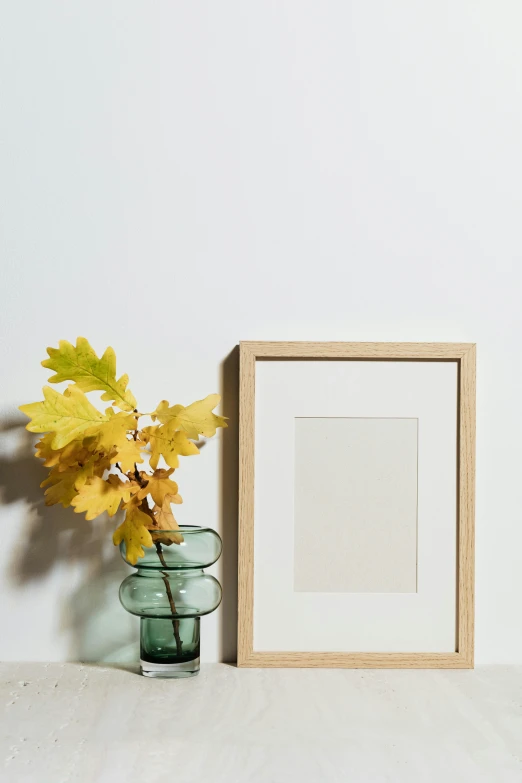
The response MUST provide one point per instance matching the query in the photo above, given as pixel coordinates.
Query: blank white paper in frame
(409, 408)
(355, 485)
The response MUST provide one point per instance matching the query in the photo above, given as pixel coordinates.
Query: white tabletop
(72, 723)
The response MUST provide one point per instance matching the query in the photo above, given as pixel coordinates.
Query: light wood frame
(464, 355)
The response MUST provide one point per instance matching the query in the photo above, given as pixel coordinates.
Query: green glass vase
(169, 593)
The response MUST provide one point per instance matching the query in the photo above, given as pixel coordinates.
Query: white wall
(177, 176)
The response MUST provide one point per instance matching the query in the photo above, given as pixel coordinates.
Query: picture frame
(461, 356)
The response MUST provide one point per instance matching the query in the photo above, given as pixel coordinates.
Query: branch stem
(117, 465)
(175, 623)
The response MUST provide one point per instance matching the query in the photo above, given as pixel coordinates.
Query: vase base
(172, 670)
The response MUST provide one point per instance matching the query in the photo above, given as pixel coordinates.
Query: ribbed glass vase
(170, 592)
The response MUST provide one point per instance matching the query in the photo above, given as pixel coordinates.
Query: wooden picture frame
(461, 353)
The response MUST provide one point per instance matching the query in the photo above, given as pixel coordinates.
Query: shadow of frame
(229, 470)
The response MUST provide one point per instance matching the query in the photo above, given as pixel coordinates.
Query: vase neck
(154, 573)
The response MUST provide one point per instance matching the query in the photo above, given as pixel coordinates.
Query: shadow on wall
(90, 568)
(229, 504)
(97, 627)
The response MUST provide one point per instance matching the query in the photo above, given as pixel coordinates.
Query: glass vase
(169, 593)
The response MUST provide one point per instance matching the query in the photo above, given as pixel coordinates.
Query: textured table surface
(68, 723)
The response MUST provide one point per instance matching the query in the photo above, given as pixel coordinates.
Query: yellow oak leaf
(81, 365)
(128, 454)
(134, 531)
(49, 455)
(159, 485)
(63, 486)
(73, 458)
(196, 419)
(137, 502)
(167, 442)
(97, 496)
(112, 434)
(164, 521)
(68, 415)
(76, 452)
